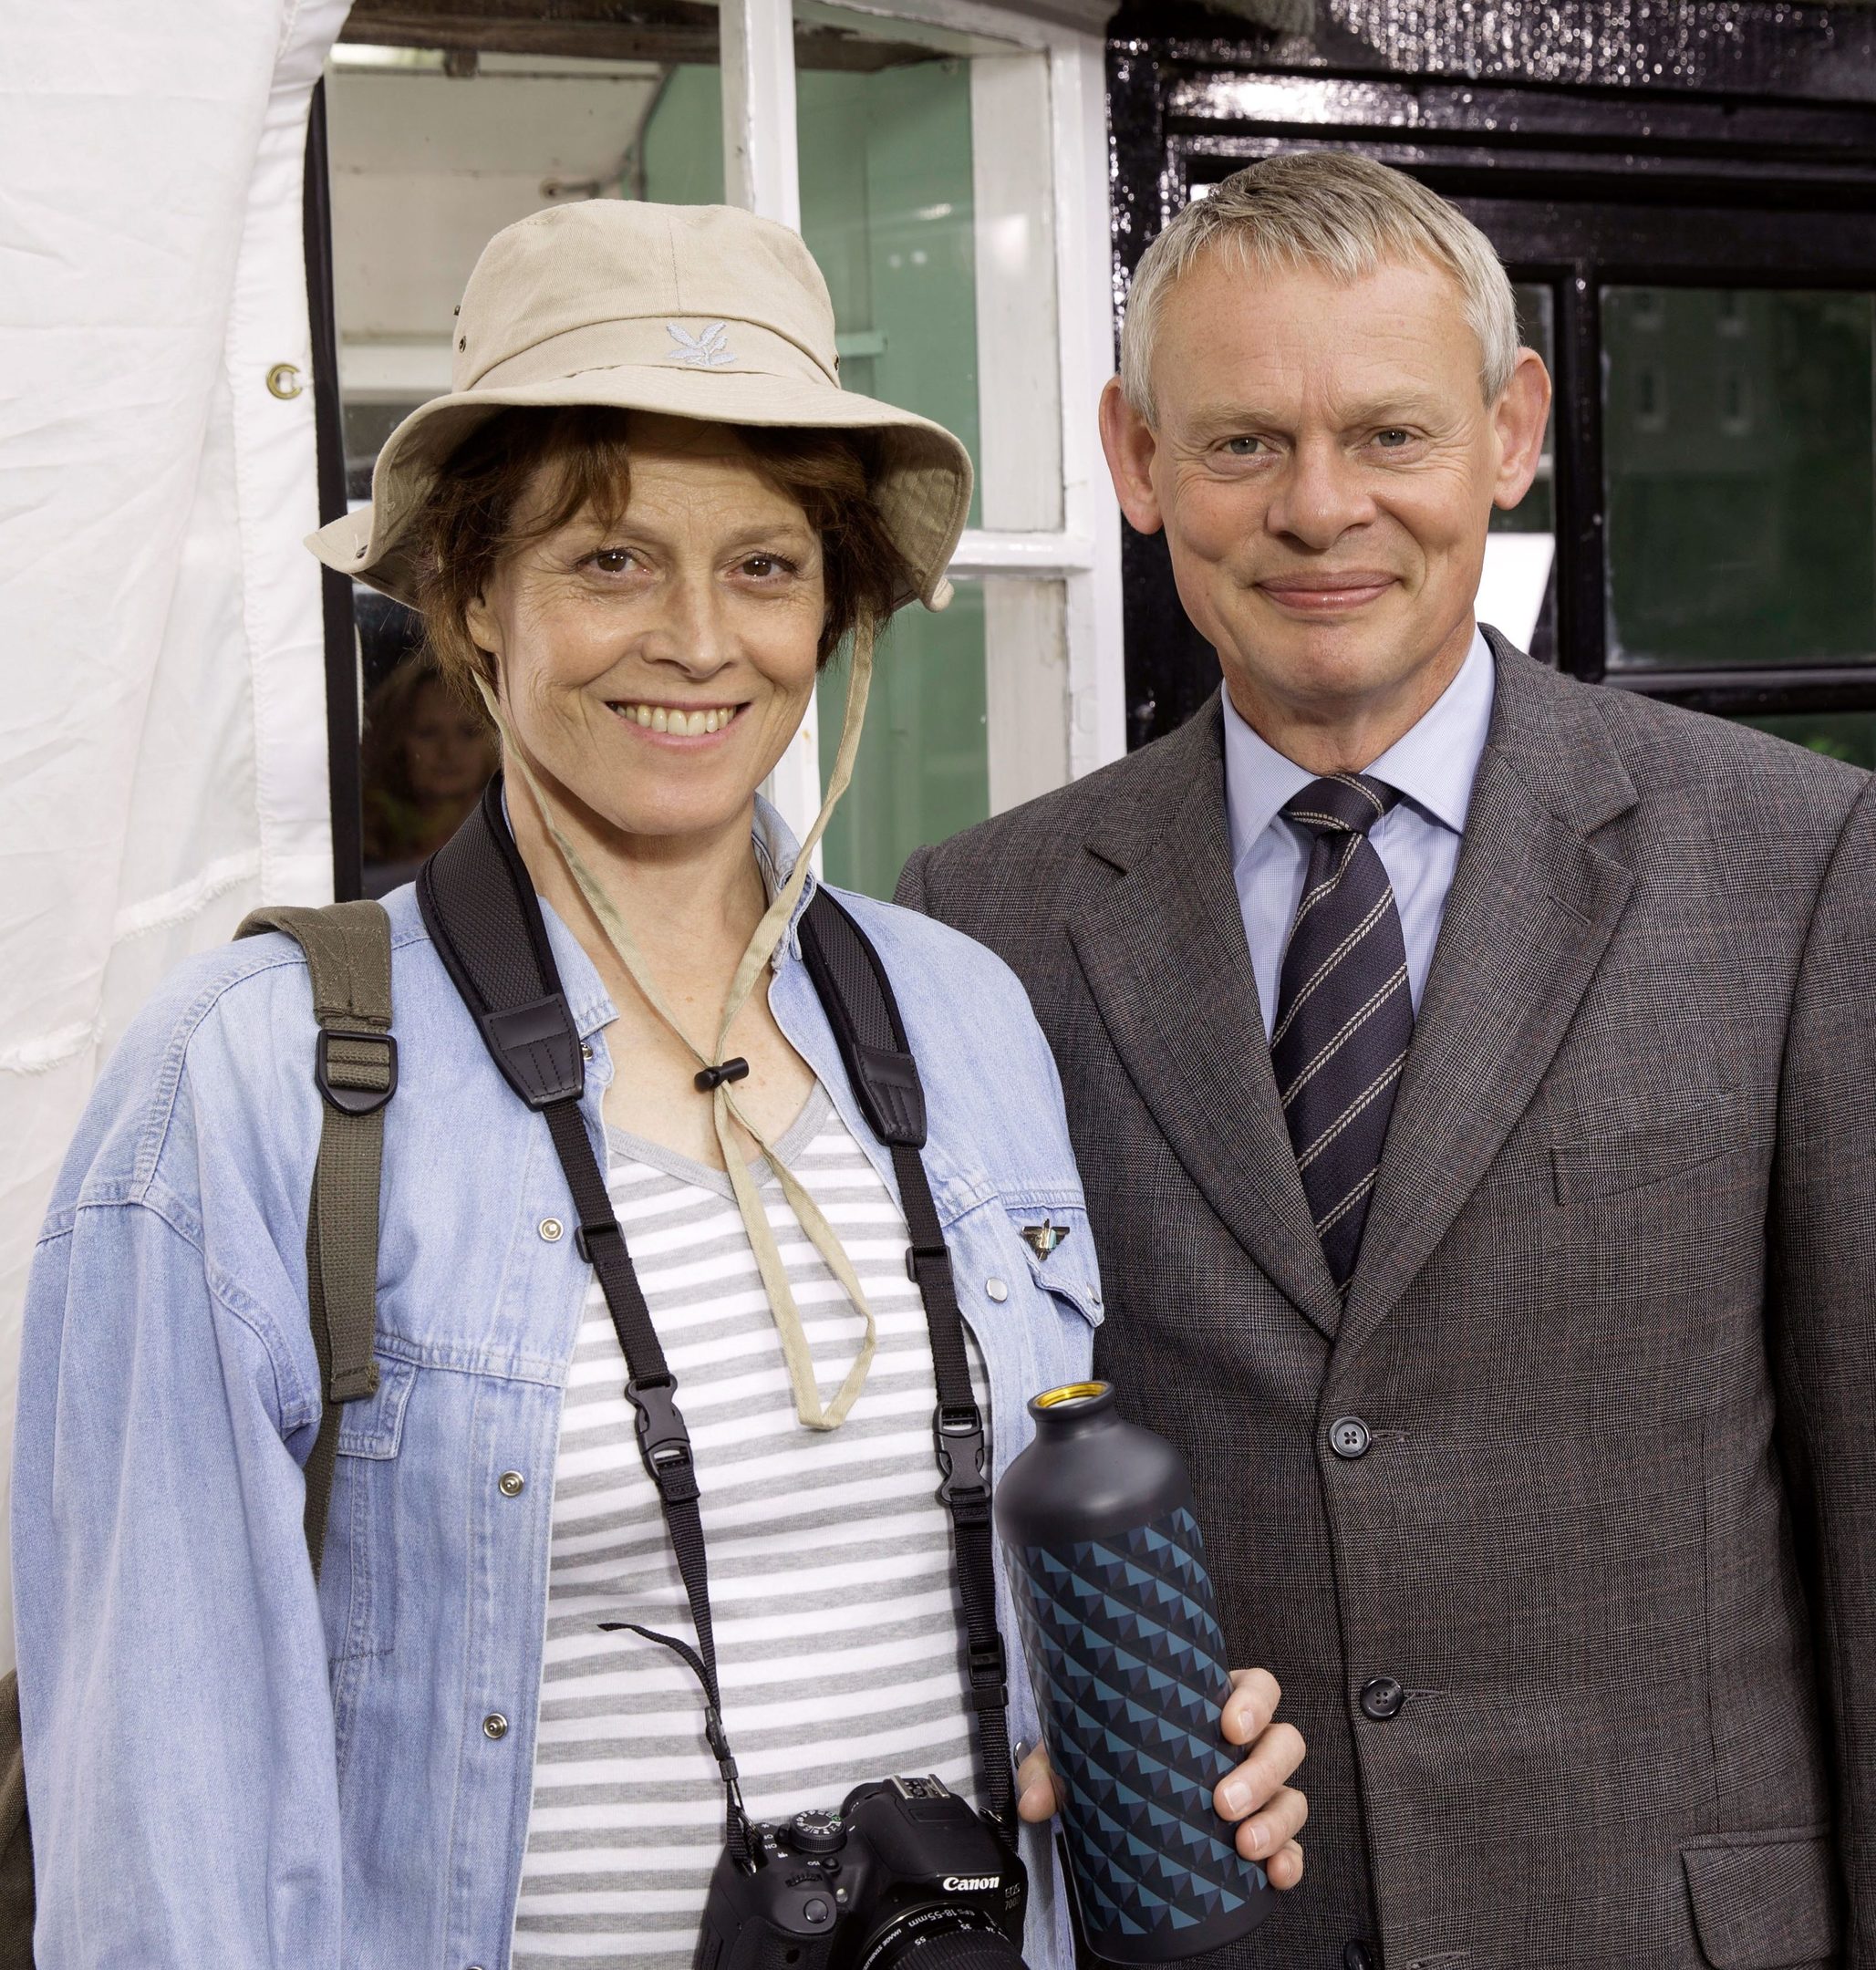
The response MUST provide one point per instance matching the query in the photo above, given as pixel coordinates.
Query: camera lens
(952, 1949)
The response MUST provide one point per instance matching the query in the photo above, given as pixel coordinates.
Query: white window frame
(761, 173)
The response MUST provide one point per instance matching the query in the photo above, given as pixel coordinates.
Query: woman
(427, 756)
(638, 526)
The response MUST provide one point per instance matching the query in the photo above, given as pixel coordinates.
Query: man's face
(1324, 464)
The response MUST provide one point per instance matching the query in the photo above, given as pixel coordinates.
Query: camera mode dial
(817, 1832)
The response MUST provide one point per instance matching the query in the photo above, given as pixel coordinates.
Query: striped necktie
(1345, 1011)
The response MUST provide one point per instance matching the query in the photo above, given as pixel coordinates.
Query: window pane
(1845, 735)
(430, 156)
(926, 171)
(682, 152)
(925, 175)
(1740, 479)
(967, 715)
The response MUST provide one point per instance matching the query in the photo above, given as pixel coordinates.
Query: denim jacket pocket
(1060, 1251)
(359, 1573)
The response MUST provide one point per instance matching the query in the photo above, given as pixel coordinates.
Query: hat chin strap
(725, 1112)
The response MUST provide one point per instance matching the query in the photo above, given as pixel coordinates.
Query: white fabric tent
(162, 732)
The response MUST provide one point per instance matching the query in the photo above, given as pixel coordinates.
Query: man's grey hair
(1327, 209)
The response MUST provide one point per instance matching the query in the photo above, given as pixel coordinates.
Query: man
(1474, 1077)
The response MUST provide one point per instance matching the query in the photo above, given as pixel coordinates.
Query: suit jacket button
(1382, 1699)
(1349, 1437)
(1357, 1955)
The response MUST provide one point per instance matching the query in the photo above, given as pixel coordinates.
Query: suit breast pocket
(358, 1574)
(1640, 1150)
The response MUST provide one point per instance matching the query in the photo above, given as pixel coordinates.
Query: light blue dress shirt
(1433, 764)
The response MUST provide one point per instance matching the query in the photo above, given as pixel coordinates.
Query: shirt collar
(1433, 763)
(777, 851)
(1258, 782)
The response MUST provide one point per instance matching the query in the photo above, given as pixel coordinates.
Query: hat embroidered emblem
(705, 351)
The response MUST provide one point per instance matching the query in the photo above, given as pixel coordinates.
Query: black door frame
(342, 734)
(1580, 188)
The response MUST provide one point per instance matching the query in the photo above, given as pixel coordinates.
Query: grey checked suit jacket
(1614, 1330)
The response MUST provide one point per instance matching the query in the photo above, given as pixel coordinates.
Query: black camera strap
(480, 907)
(857, 997)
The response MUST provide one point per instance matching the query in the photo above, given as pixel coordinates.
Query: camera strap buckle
(664, 1443)
(989, 1671)
(964, 1460)
(719, 1741)
(355, 1072)
(587, 1233)
(921, 1259)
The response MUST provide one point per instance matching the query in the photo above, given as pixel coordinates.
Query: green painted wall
(684, 140)
(886, 211)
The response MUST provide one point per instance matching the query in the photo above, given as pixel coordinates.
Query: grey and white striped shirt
(830, 1566)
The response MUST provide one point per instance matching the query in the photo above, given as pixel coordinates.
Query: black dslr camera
(905, 1866)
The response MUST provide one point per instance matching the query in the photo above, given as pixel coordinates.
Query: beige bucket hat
(698, 311)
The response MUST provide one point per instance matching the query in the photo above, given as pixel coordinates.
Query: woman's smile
(671, 721)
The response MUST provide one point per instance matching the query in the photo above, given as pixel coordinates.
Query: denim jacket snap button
(996, 1289)
(550, 1229)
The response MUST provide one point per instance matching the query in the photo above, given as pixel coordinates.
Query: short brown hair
(467, 526)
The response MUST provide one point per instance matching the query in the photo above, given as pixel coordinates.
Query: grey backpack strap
(347, 949)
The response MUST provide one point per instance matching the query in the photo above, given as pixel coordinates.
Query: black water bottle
(1121, 1631)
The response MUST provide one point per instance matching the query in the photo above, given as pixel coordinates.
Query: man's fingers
(1274, 1757)
(1036, 1792)
(1036, 1803)
(1276, 1827)
(1285, 1867)
(1270, 1812)
(1251, 1705)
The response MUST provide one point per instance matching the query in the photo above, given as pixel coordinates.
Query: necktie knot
(1341, 803)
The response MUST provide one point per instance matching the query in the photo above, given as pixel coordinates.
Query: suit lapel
(1533, 906)
(1164, 957)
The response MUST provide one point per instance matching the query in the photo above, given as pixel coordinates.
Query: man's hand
(1268, 1811)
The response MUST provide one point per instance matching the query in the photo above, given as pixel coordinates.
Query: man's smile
(1324, 593)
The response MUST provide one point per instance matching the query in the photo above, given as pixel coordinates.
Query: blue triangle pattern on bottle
(1123, 1643)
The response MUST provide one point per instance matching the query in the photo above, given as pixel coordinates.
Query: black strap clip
(711, 1078)
(719, 1740)
(583, 1237)
(363, 1076)
(664, 1443)
(990, 1674)
(936, 1259)
(963, 1457)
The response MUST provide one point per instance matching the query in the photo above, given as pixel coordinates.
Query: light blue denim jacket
(229, 1765)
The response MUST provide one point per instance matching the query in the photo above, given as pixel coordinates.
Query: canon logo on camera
(964, 1883)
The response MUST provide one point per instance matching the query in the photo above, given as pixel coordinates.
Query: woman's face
(656, 669)
(446, 746)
